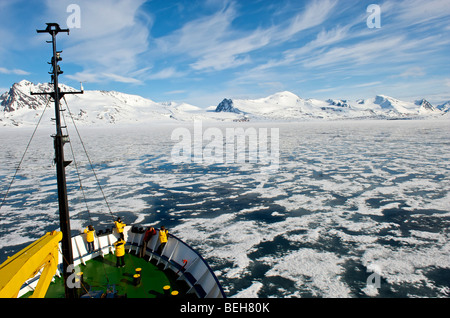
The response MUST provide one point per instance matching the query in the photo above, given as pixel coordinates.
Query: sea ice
(347, 195)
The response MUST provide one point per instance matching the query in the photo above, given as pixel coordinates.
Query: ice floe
(350, 199)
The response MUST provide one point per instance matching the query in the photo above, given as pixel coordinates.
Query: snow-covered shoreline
(19, 108)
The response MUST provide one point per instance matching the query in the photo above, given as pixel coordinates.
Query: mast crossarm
(53, 27)
(61, 94)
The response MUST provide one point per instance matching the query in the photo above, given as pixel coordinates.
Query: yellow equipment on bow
(16, 270)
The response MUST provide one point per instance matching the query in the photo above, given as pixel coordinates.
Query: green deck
(101, 272)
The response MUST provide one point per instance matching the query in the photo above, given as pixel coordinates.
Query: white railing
(176, 256)
(181, 259)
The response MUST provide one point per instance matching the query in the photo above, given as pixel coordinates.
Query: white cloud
(414, 71)
(176, 92)
(121, 79)
(386, 50)
(169, 72)
(447, 82)
(201, 38)
(111, 38)
(326, 90)
(315, 14)
(216, 45)
(412, 12)
(14, 71)
(323, 39)
(85, 77)
(359, 53)
(93, 77)
(349, 46)
(368, 84)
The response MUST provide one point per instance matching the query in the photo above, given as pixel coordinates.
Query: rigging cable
(89, 159)
(23, 157)
(79, 176)
(78, 172)
(93, 170)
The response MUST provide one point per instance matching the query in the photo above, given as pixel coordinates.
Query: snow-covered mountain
(227, 106)
(444, 107)
(18, 107)
(287, 106)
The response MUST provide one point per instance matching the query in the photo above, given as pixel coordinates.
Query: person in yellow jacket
(120, 252)
(163, 237)
(90, 231)
(119, 227)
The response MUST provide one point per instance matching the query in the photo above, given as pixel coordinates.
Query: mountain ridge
(288, 105)
(19, 108)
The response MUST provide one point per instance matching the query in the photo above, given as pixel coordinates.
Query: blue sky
(201, 51)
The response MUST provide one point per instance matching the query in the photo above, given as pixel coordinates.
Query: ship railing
(177, 256)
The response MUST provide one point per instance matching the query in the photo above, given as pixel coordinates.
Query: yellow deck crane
(40, 255)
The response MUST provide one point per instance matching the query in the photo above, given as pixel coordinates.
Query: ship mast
(59, 140)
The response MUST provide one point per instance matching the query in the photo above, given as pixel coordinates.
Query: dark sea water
(354, 209)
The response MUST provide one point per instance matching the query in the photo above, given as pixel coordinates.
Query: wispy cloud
(98, 77)
(176, 92)
(314, 14)
(169, 72)
(215, 44)
(360, 53)
(368, 84)
(414, 71)
(206, 39)
(112, 36)
(14, 71)
(350, 49)
(122, 79)
(323, 39)
(324, 42)
(326, 90)
(238, 48)
(413, 12)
